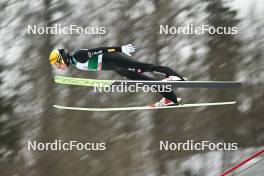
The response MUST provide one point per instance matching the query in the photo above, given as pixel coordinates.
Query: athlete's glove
(127, 49)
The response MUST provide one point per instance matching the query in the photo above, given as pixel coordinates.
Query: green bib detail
(94, 63)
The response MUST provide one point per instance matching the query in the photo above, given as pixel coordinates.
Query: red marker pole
(242, 163)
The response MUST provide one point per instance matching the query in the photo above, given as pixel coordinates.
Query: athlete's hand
(128, 49)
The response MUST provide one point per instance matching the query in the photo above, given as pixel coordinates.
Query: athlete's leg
(113, 61)
(166, 71)
(133, 75)
(131, 69)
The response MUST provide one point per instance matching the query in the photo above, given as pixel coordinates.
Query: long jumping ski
(144, 107)
(182, 84)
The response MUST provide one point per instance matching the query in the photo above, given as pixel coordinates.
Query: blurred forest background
(28, 90)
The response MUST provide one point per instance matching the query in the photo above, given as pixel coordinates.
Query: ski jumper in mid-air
(119, 60)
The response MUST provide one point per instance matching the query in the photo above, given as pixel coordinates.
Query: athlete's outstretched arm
(101, 50)
(127, 49)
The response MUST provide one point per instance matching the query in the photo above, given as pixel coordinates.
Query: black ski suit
(113, 59)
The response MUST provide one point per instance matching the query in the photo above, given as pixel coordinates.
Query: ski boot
(166, 102)
(174, 78)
